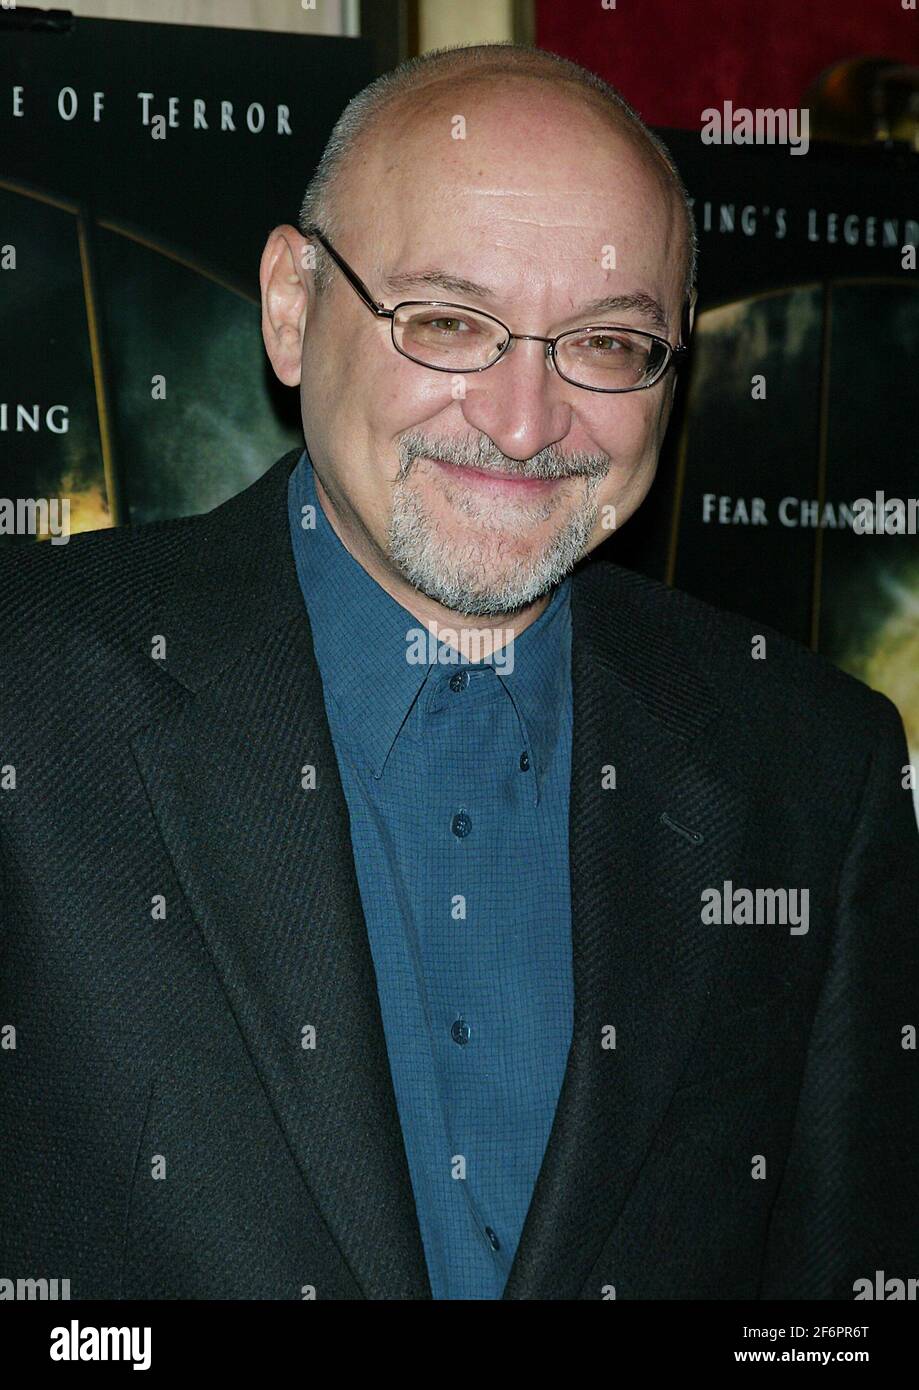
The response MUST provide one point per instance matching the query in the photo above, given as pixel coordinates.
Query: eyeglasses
(607, 357)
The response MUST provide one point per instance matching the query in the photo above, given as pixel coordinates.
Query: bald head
(397, 113)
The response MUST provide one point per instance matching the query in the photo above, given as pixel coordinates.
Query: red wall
(673, 58)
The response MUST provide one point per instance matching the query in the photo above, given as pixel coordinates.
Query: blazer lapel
(267, 869)
(643, 962)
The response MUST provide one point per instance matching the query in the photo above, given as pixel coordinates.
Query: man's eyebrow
(637, 302)
(438, 280)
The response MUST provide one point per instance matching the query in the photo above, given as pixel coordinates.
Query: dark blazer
(284, 1167)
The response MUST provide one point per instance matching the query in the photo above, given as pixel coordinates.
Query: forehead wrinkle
(541, 224)
(542, 194)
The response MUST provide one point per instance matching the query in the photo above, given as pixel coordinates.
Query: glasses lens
(610, 359)
(443, 335)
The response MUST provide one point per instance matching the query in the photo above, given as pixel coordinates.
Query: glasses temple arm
(349, 274)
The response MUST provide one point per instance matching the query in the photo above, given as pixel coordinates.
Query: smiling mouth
(501, 483)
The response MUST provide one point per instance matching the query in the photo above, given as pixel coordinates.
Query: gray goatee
(470, 577)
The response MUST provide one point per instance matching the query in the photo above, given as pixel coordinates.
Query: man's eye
(604, 343)
(450, 330)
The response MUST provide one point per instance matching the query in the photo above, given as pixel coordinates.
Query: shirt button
(492, 1239)
(459, 680)
(461, 825)
(460, 1032)
(524, 761)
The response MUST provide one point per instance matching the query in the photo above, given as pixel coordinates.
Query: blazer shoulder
(102, 579)
(75, 617)
(739, 656)
(93, 578)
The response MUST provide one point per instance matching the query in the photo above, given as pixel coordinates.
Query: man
(369, 874)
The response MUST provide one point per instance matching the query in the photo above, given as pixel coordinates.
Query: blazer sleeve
(848, 1202)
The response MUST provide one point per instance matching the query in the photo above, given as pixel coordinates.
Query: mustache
(548, 463)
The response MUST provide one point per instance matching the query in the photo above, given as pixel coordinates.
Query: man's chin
(501, 593)
(476, 570)
(482, 608)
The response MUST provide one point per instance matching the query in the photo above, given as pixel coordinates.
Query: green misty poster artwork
(799, 401)
(141, 169)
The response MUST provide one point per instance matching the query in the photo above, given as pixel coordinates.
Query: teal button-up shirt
(457, 778)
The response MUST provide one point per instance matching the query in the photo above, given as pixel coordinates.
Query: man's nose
(520, 402)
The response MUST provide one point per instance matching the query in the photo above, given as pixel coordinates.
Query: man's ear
(692, 307)
(286, 285)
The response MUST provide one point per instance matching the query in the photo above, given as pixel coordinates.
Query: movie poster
(799, 402)
(141, 169)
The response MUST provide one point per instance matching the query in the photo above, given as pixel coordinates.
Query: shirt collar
(361, 638)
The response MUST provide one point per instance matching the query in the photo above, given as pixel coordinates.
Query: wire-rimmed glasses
(450, 337)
